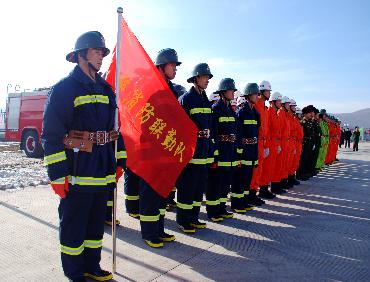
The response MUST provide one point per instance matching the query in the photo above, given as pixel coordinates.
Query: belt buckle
(208, 133)
(101, 137)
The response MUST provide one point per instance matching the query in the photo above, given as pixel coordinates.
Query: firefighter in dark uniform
(121, 155)
(166, 62)
(305, 164)
(193, 180)
(78, 139)
(248, 121)
(151, 205)
(221, 174)
(131, 188)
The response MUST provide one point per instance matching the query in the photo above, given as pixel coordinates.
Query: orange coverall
(263, 143)
(272, 163)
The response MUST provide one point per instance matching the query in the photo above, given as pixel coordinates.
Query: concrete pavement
(319, 231)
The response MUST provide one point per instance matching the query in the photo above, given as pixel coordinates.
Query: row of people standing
(247, 154)
(234, 149)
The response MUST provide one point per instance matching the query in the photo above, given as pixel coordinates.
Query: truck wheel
(31, 144)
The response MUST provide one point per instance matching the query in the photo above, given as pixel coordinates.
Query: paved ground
(319, 231)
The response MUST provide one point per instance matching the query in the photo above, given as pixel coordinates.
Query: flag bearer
(78, 134)
(166, 62)
(152, 206)
(221, 175)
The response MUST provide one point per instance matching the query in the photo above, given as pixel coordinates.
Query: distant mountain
(359, 118)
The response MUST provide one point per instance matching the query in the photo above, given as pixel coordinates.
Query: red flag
(159, 137)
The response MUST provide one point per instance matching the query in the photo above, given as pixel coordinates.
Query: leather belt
(205, 133)
(249, 141)
(84, 140)
(227, 138)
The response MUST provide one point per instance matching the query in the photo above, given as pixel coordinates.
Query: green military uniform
(324, 144)
(317, 144)
(305, 164)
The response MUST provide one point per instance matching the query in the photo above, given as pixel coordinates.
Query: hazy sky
(317, 52)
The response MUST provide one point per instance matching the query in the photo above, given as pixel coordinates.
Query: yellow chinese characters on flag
(159, 137)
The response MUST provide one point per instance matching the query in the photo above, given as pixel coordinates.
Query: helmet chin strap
(92, 69)
(91, 66)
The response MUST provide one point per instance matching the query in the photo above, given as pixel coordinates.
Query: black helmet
(90, 39)
(250, 89)
(167, 56)
(226, 84)
(200, 69)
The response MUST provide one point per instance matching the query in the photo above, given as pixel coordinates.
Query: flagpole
(114, 247)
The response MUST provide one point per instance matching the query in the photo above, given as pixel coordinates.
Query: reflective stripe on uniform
(121, 155)
(72, 251)
(210, 160)
(256, 162)
(184, 206)
(213, 203)
(197, 204)
(93, 181)
(244, 162)
(226, 119)
(149, 218)
(239, 151)
(87, 99)
(223, 200)
(225, 164)
(198, 161)
(250, 121)
(55, 158)
(93, 244)
(236, 195)
(59, 181)
(200, 111)
(162, 211)
(132, 198)
(216, 153)
(228, 164)
(109, 203)
(246, 193)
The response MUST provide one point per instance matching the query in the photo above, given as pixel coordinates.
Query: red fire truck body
(23, 123)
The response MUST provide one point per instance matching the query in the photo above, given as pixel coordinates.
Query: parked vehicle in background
(23, 120)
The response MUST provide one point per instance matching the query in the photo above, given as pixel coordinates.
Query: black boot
(295, 181)
(253, 199)
(265, 193)
(287, 184)
(277, 188)
(292, 180)
(99, 275)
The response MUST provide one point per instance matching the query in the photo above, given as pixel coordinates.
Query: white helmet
(233, 102)
(285, 99)
(237, 94)
(293, 103)
(213, 97)
(298, 111)
(276, 96)
(240, 100)
(264, 85)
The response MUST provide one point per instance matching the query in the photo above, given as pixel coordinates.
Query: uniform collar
(220, 103)
(80, 76)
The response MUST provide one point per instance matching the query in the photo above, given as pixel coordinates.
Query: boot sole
(99, 278)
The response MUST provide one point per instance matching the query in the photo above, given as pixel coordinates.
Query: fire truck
(23, 120)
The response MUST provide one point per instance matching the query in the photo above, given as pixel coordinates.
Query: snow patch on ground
(17, 170)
